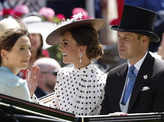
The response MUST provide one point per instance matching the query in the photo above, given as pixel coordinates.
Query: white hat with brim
(43, 28)
(36, 25)
(56, 36)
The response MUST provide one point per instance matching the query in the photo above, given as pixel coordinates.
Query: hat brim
(154, 37)
(44, 28)
(56, 36)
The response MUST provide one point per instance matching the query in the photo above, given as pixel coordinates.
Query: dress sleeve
(56, 97)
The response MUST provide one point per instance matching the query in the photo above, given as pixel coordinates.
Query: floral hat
(55, 36)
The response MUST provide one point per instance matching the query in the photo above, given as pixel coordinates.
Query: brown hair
(87, 35)
(7, 42)
(39, 51)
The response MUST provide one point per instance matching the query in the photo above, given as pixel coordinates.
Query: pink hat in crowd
(48, 13)
(84, 13)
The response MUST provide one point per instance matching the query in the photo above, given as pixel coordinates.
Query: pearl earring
(81, 57)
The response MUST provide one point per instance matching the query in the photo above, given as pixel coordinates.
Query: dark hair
(39, 51)
(87, 35)
(10, 38)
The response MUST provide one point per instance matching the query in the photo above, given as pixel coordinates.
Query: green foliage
(55, 53)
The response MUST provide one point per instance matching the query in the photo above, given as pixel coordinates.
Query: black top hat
(139, 20)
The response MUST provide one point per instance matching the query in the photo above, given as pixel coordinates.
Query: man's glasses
(53, 73)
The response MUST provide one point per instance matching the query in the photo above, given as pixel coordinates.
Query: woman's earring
(81, 57)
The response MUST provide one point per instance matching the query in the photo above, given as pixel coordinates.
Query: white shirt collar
(139, 63)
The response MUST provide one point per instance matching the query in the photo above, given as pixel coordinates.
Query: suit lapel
(143, 76)
(121, 81)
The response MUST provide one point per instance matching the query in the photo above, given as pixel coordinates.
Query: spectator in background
(37, 32)
(79, 88)
(15, 50)
(36, 46)
(36, 25)
(47, 76)
(36, 39)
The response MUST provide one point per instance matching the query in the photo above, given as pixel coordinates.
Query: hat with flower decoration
(55, 36)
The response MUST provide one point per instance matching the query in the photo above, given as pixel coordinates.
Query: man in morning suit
(138, 85)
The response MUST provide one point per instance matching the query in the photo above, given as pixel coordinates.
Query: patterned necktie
(130, 85)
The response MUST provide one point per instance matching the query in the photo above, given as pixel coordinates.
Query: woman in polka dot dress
(79, 88)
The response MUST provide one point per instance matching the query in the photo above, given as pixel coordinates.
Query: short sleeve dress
(80, 91)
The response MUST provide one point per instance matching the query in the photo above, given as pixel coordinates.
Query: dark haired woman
(79, 89)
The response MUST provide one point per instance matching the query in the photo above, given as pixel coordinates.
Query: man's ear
(145, 41)
(145, 38)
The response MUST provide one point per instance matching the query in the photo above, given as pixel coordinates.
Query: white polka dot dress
(80, 91)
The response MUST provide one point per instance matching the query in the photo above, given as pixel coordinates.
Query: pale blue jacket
(12, 85)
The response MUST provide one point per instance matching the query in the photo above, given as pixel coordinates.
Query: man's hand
(32, 78)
